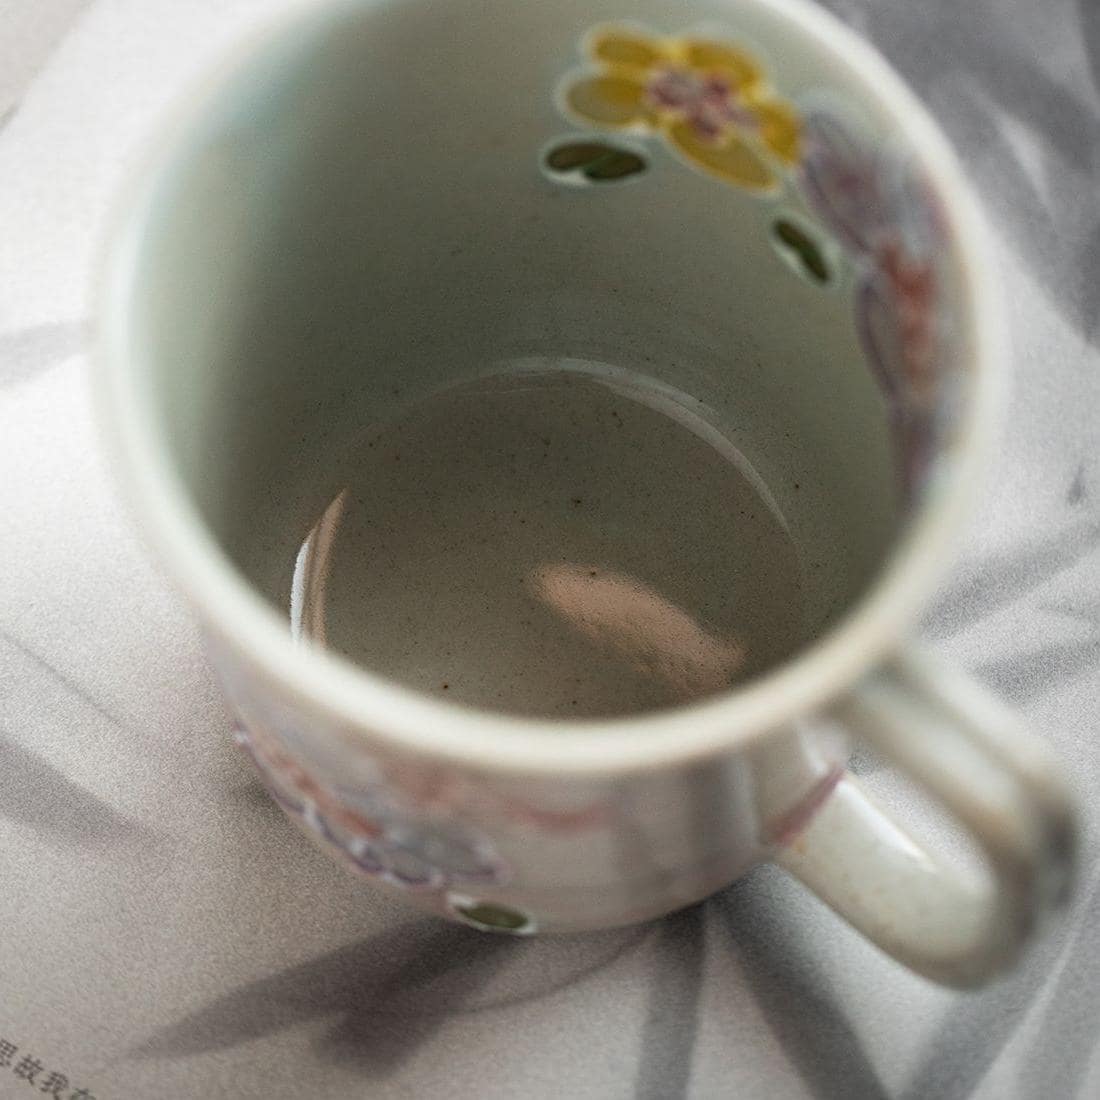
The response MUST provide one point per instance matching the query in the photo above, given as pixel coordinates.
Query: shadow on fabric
(388, 994)
(794, 998)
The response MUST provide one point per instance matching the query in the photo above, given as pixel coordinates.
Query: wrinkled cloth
(166, 932)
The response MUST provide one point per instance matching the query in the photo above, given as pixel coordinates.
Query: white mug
(377, 200)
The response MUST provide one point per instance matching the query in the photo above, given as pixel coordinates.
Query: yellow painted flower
(708, 98)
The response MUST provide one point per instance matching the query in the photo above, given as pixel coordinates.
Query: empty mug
(558, 421)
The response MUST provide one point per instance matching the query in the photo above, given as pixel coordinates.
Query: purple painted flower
(887, 217)
(842, 181)
(374, 831)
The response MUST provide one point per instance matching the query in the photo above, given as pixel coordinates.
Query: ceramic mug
(737, 197)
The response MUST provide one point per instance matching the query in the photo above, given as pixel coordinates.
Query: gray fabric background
(164, 932)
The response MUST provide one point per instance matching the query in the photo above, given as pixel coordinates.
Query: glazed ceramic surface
(737, 199)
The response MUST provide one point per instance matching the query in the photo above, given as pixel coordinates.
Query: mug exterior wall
(474, 834)
(568, 853)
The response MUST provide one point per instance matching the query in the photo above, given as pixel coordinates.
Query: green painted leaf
(804, 247)
(493, 916)
(595, 160)
(575, 154)
(616, 165)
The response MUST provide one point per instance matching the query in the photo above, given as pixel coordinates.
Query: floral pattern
(371, 830)
(889, 224)
(709, 100)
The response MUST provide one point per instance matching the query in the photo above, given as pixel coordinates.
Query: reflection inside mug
(553, 542)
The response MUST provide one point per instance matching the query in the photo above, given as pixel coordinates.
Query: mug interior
(366, 212)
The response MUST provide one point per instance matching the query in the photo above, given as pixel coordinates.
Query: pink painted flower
(888, 220)
(371, 829)
(707, 102)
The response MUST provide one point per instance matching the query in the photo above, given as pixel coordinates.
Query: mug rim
(384, 712)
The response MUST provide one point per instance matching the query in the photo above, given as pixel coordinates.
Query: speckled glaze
(570, 853)
(344, 220)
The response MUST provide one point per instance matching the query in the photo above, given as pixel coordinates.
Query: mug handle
(968, 751)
